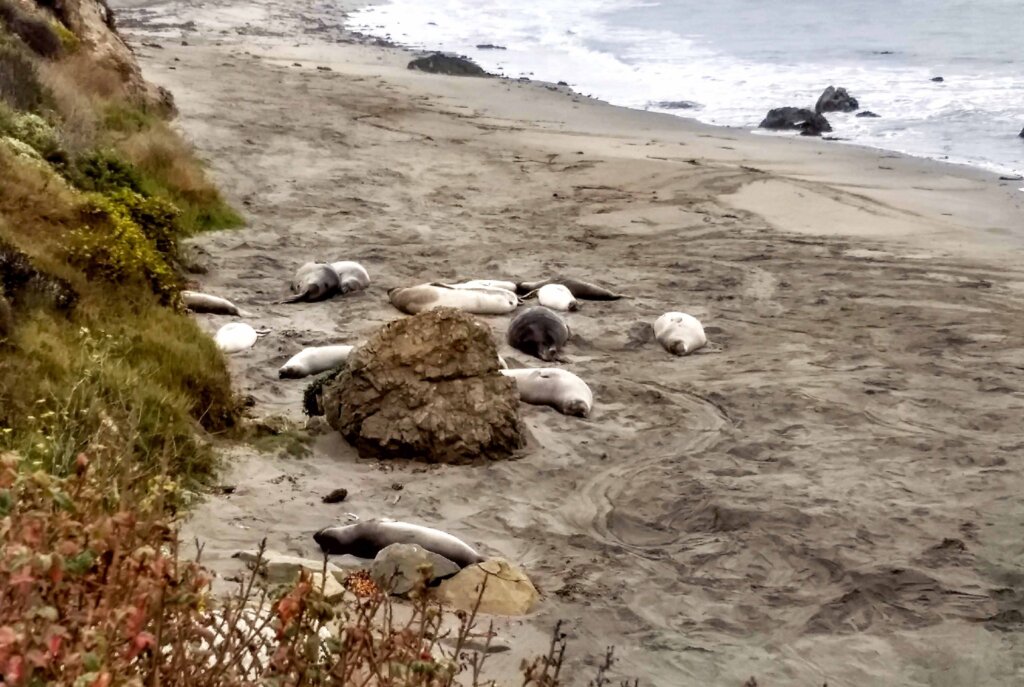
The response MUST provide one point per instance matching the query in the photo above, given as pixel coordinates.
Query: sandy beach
(828, 493)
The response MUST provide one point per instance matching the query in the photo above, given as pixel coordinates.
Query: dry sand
(829, 492)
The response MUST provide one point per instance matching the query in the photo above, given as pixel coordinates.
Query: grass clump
(20, 87)
(37, 33)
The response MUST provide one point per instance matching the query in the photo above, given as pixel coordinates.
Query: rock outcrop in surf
(806, 121)
(427, 388)
(836, 100)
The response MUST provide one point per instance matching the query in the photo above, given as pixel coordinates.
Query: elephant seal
(557, 297)
(236, 336)
(314, 281)
(479, 301)
(679, 333)
(580, 289)
(366, 538)
(351, 276)
(312, 360)
(539, 332)
(486, 284)
(552, 386)
(204, 302)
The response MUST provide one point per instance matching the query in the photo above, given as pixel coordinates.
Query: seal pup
(479, 301)
(237, 336)
(314, 281)
(315, 359)
(204, 302)
(539, 332)
(555, 387)
(580, 289)
(351, 276)
(366, 538)
(486, 284)
(557, 297)
(679, 333)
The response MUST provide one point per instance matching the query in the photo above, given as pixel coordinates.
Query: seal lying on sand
(486, 284)
(580, 289)
(477, 300)
(366, 539)
(204, 302)
(539, 332)
(351, 276)
(236, 337)
(557, 297)
(314, 281)
(552, 386)
(679, 333)
(312, 360)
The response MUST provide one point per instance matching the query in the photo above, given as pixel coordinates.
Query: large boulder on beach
(427, 388)
(796, 118)
(836, 100)
(452, 65)
(400, 568)
(506, 590)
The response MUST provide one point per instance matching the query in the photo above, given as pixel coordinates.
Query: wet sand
(829, 492)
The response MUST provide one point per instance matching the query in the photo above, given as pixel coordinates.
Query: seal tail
(301, 296)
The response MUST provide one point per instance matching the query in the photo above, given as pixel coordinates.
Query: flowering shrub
(111, 246)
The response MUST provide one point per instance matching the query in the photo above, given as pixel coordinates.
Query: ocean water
(736, 59)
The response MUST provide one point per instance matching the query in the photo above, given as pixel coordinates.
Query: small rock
(400, 568)
(333, 589)
(296, 64)
(835, 99)
(937, 79)
(808, 122)
(562, 83)
(489, 46)
(150, 44)
(452, 65)
(508, 590)
(225, 489)
(336, 496)
(324, 69)
(184, 43)
(867, 113)
(397, 486)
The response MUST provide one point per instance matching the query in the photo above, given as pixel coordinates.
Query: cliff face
(92, 21)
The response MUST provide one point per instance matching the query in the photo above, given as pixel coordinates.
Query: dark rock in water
(867, 113)
(452, 65)
(336, 496)
(808, 122)
(490, 46)
(937, 79)
(676, 105)
(562, 83)
(835, 99)
(427, 387)
(1021, 134)
(883, 52)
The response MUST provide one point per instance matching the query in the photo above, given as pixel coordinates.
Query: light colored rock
(508, 590)
(333, 588)
(397, 567)
(280, 568)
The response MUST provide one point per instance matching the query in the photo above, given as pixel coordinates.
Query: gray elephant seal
(579, 289)
(555, 387)
(351, 276)
(204, 302)
(313, 360)
(366, 539)
(539, 332)
(314, 281)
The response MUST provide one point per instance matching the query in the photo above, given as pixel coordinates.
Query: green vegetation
(95, 195)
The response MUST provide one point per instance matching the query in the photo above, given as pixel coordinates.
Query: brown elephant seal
(555, 387)
(367, 538)
(578, 288)
(204, 302)
(539, 332)
(314, 281)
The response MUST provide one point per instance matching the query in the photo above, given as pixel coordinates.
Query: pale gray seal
(555, 387)
(365, 539)
(351, 276)
(236, 337)
(314, 281)
(539, 332)
(204, 302)
(477, 300)
(312, 360)
(580, 289)
(679, 333)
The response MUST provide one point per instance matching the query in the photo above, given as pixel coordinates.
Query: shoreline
(777, 505)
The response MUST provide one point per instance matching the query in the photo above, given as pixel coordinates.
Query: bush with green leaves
(35, 31)
(20, 87)
(103, 171)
